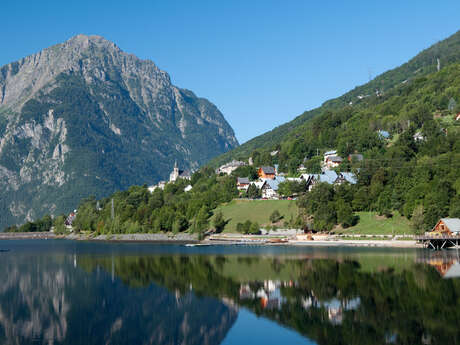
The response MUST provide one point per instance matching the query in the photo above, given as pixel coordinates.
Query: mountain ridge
(421, 64)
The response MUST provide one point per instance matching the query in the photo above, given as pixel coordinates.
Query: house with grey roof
(330, 177)
(333, 161)
(448, 226)
(270, 187)
(344, 177)
(328, 154)
(267, 172)
(242, 183)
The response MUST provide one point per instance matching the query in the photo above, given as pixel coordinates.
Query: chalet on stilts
(447, 226)
(446, 233)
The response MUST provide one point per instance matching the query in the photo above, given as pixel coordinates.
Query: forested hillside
(415, 171)
(426, 62)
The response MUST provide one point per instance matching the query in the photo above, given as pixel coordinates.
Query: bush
(254, 228)
(219, 222)
(59, 225)
(275, 216)
(417, 220)
(253, 192)
(248, 228)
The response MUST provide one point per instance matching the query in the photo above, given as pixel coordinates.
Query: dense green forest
(171, 209)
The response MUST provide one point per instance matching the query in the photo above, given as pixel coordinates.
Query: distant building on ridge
(176, 173)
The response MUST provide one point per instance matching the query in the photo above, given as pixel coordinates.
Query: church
(176, 173)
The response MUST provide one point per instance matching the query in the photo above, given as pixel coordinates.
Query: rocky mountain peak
(85, 117)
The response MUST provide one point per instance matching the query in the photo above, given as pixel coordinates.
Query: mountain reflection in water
(62, 294)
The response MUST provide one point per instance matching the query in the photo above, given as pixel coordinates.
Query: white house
(160, 185)
(270, 187)
(329, 154)
(242, 183)
(330, 177)
(333, 161)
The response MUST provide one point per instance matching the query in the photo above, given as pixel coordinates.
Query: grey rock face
(85, 118)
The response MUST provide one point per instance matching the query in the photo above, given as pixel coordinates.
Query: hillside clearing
(370, 223)
(238, 211)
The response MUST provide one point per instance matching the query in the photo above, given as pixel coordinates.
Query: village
(269, 177)
(445, 233)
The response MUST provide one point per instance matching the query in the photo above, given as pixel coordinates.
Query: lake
(66, 292)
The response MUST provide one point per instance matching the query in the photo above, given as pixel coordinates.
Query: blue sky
(261, 62)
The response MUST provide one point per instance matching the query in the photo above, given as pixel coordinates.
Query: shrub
(275, 216)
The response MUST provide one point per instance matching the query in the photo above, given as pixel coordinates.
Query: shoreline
(228, 239)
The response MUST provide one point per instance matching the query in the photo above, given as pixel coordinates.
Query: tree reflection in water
(330, 301)
(194, 299)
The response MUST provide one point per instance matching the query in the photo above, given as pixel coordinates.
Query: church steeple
(175, 173)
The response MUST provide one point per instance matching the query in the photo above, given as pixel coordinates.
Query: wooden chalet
(447, 226)
(267, 173)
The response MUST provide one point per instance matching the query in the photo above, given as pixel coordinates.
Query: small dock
(438, 242)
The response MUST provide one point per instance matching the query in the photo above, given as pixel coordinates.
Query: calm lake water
(63, 292)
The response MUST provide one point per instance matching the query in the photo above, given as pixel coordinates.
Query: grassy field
(238, 211)
(371, 224)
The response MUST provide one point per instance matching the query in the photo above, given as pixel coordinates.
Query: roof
(452, 223)
(185, 173)
(349, 177)
(335, 159)
(329, 153)
(384, 134)
(274, 183)
(295, 179)
(306, 177)
(268, 170)
(328, 176)
(356, 156)
(243, 180)
(258, 184)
